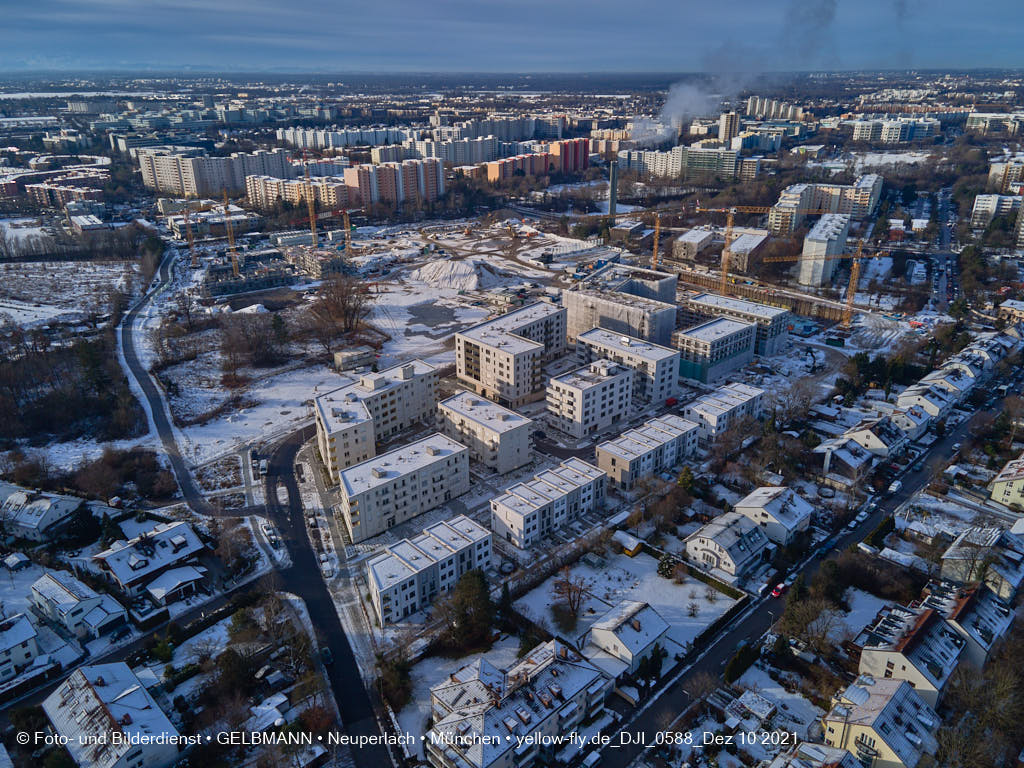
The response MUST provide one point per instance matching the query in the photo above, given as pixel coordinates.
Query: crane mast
(231, 235)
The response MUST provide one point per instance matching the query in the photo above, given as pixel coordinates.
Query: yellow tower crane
(231, 235)
(657, 237)
(311, 203)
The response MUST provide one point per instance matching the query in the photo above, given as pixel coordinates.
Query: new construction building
(408, 576)
(350, 420)
(400, 484)
(655, 368)
(619, 312)
(723, 409)
(495, 436)
(659, 444)
(526, 513)
(501, 359)
(591, 398)
(772, 322)
(712, 350)
(827, 238)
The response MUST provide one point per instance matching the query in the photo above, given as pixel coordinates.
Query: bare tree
(341, 305)
(572, 590)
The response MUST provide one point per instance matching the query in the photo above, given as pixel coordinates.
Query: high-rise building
(590, 399)
(395, 183)
(188, 172)
(859, 200)
(826, 238)
(728, 126)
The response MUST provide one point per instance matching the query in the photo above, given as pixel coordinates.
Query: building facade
(495, 436)
(590, 399)
(658, 445)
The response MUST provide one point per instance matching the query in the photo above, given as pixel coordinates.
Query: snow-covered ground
(863, 608)
(794, 712)
(863, 160)
(630, 578)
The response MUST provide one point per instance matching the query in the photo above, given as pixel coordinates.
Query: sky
(505, 36)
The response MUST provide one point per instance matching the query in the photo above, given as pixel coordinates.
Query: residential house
(974, 612)
(133, 564)
(18, 645)
(731, 545)
(780, 511)
(77, 607)
(624, 636)
(992, 555)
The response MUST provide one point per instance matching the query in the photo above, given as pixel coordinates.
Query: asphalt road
(304, 579)
(189, 490)
(755, 623)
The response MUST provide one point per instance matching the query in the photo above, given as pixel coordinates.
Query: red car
(780, 590)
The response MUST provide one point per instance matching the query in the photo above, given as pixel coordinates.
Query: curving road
(157, 407)
(303, 578)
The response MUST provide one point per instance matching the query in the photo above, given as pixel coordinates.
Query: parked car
(780, 590)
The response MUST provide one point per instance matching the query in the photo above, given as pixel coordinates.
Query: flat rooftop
(482, 411)
(618, 297)
(634, 443)
(715, 330)
(548, 485)
(591, 375)
(628, 345)
(739, 306)
(502, 331)
(344, 406)
(382, 469)
(400, 561)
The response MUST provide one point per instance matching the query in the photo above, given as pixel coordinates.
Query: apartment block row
(723, 409)
(772, 323)
(263, 192)
(658, 445)
(859, 200)
(189, 172)
(655, 368)
(590, 399)
(395, 183)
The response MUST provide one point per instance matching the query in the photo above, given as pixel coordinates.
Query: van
(895, 486)
(263, 466)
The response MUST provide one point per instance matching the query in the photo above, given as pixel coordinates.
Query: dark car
(326, 655)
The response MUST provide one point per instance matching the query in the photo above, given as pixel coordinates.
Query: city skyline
(568, 37)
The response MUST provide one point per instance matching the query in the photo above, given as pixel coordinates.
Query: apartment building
(18, 645)
(529, 512)
(486, 717)
(728, 126)
(987, 207)
(858, 200)
(688, 245)
(501, 359)
(619, 312)
(1012, 311)
(723, 409)
(396, 486)
(495, 436)
(658, 445)
(263, 192)
(827, 238)
(352, 419)
(395, 183)
(1003, 173)
(408, 576)
(107, 718)
(189, 172)
(655, 368)
(714, 349)
(531, 164)
(913, 644)
(990, 555)
(590, 399)
(780, 511)
(310, 138)
(896, 131)
(884, 723)
(466, 151)
(772, 334)
(730, 546)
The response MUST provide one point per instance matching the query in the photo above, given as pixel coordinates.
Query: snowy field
(630, 578)
(34, 293)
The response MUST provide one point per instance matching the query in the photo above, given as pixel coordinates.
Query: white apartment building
(77, 607)
(526, 513)
(628, 314)
(658, 445)
(884, 723)
(714, 349)
(189, 172)
(350, 420)
(399, 485)
(408, 576)
(655, 368)
(719, 411)
(912, 644)
(264, 192)
(485, 717)
(826, 238)
(495, 436)
(772, 322)
(987, 207)
(590, 399)
(780, 511)
(99, 699)
(690, 243)
(797, 201)
(1008, 486)
(18, 645)
(501, 359)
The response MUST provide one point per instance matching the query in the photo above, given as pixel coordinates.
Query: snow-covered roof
(385, 467)
(1011, 472)
(99, 698)
(626, 345)
(591, 375)
(648, 437)
(974, 610)
(175, 578)
(782, 504)
(62, 591)
(920, 634)
(894, 711)
(503, 331)
(635, 625)
(139, 558)
(15, 630)
(343, 406)
(714, 330)
(483, 412)
(735, 533)
(30, 510)
(547, 486)
(398, 562)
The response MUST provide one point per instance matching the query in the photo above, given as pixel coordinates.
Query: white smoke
(684, 102)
